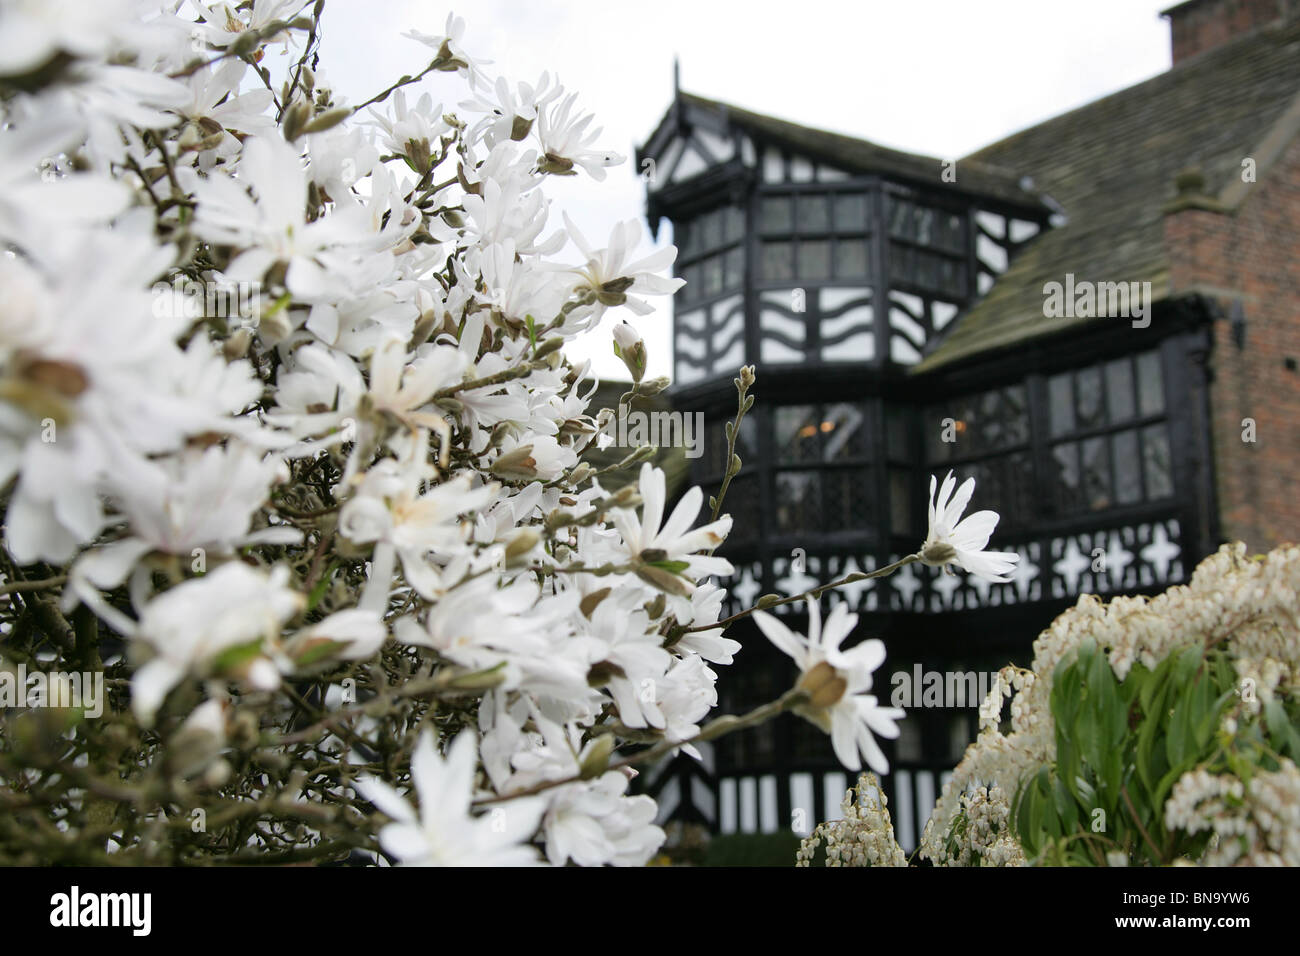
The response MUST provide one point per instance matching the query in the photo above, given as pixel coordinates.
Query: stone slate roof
(855, 155)
(1112, 165)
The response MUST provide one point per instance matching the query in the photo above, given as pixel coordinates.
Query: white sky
(941, 77)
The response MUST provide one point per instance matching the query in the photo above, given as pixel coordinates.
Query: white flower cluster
(864, 836)
(986, 836)
(1252, 825)
(1246, 605)
(368, 377)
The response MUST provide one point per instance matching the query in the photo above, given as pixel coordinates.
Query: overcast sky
(941, 77)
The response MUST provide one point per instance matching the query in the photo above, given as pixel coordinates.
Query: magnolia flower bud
(596, 760)
(631, 349)
(517, 463)
(653, 386)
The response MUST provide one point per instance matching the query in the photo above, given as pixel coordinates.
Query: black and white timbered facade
(840, 270)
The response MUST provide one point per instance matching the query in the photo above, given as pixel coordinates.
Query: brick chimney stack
(1199, 25)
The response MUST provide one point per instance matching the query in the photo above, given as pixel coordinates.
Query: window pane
(927, 270)
(776, 214)
(850, 212)
(900, 501)
(996, 419)
(850, 258)
(684, 238)
(897, 435)
(1065, 459)
(735, 267)
(711, 227)
(1096, 473)
(814, 259)
(1151, 389)
(814, 213)
(844, 432)
(900, 219)
(733, 224)
(742, 503)
(777, 261)
(713, 463)
(934, 430)
(952, 232)
(796, 430)
(952, 277)
(845, 493)
(1062, 404)
(1089, 408)
(1119, 390)
(1128, 476)
(923, 230)
(902, 263)
(746, 441)
(798, 501)
(712, 283)
(1016, 413)
(1155, 462)
(691, 291)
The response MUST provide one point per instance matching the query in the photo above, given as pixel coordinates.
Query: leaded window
(1105, 445)
(808, 236)
(928, 247)
(821, 470)
(986, 436)
(711, 254)
(1109, 441)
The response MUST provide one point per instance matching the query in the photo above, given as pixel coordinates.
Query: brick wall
(1253, 256)
(1199, 26)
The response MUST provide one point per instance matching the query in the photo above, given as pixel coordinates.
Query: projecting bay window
(821, 474)
(709, 313)
(1109, 439)
(987, 436)
(928, 248)
(710, 254)
(812, 237)
(1101, 442)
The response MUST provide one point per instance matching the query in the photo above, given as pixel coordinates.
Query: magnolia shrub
(302, 557)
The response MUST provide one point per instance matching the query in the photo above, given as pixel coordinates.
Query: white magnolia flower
(444, 832)
(954, 540)
(613, 280)
(592, 822)
(835, 682)
(423, 530)
(652, 539)
(351, 635)
(450, 53)
(566, 142)
(270, 226)
(706, 608)
(215, 624)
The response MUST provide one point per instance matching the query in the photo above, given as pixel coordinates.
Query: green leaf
(672, 567)
(320, 587)
(1282, 732)
(234, 658)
